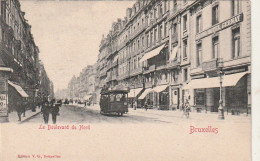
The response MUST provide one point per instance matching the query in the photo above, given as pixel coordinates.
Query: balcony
(136, 71)
(148, 85)
(161, 66)
(149, 69)
(210, 65)
(173, 63)
(162, 82)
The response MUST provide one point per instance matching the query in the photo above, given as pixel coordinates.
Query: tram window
(112, 98)
(118, 97)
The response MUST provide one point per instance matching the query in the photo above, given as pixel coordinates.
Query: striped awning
(19, 89)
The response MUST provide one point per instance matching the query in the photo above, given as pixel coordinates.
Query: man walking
(54, 110)
(45, 111)
(19, 110)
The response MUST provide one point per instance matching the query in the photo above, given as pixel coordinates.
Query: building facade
(19, 58)
(85, 86)
(170, 51)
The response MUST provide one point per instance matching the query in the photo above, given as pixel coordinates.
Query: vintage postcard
(140, 80)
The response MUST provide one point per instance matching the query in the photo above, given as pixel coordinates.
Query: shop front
(4, 76)
(133, 95)
(235, 93)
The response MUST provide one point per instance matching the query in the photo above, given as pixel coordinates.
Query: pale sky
(68, 34)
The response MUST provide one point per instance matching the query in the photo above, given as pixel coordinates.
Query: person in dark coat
(45, 111)
(19, 110)
(24, 106)
(54, 111)
(146, 105)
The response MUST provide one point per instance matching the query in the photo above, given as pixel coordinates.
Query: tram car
(114, 101)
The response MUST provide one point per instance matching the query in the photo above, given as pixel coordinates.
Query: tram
(114, 101)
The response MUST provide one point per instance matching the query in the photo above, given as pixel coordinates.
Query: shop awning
(159, 89)
(228, 80)
(19, 89)
(134, 92)
(174, 53)
(143, 95)
(152, 53)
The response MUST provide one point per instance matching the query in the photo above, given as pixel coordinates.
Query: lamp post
(220, 108)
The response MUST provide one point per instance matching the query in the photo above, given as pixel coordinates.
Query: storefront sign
(220, 26)
(2, 101)
(2, 86)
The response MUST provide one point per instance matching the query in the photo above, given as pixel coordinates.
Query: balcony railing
(148, 84)
(136, 71)
(149, 69)
(210, 65)
(161, 82)
(173, 63)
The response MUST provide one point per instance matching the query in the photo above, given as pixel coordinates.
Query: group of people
(50, 107)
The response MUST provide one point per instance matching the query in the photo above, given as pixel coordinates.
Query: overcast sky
(68, 33)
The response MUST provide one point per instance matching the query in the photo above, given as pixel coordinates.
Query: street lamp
(220, 108)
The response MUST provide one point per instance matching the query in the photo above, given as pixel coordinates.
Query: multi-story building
(170, 51)
(18, 57)
(85, 86)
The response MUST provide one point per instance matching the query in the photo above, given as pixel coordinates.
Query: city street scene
(160, 56)
(170, 62)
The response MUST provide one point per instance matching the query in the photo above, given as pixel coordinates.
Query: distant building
(85, 86)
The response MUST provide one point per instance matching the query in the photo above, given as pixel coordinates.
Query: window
(147, 41)
(215, 47)
(236, 43)
(199, 54)
(175, 5)
(215, 15)
(185, 49)
(199, 24)
(160, 33)
(160, 10)
(165, 30)
(185, 23)
(155, 33)
(235, 7)
(185, 75)
(151, 39)
(138, 44)
(142, 41)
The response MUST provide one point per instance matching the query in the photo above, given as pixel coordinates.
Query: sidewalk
(193, 115)
(13, 117)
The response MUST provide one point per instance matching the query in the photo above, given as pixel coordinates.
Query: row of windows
(215, 15)
(215, 47)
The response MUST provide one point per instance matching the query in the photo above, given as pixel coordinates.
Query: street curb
(29, 117)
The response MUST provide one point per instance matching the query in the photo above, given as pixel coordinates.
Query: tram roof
(114, 91)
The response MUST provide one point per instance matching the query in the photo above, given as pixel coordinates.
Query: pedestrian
(45, 111)
(19, 110)
(24, 106)
(135, 105)
(54, 111)
(145, 105)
